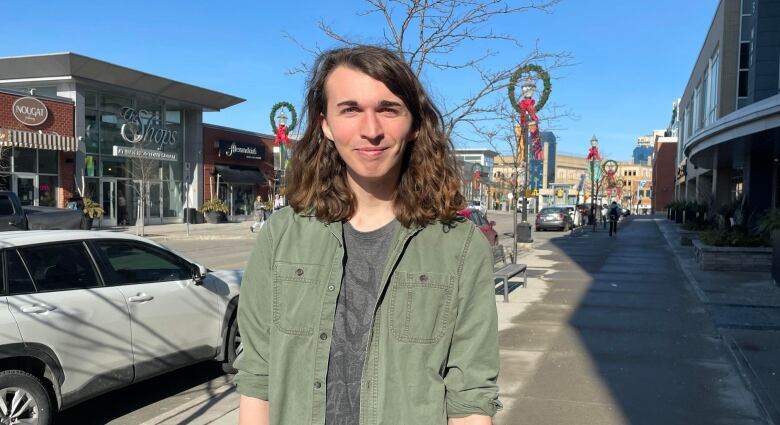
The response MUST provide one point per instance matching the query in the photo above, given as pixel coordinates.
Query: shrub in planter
(215, 211)
(92, 210)
(733, 238)
(769, 225)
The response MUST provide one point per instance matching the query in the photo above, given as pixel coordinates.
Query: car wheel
(234, 347)
(24, 399)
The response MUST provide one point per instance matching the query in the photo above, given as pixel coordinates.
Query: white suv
(83, 313)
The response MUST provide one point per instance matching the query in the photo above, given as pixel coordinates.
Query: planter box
(744, 259)
(687, 236)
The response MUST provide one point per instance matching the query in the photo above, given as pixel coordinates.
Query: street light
(282, 118)
(593, 156)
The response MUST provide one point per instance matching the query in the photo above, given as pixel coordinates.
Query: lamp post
(595, 167)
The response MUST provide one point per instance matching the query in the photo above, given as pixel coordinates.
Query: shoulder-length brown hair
(428, 188)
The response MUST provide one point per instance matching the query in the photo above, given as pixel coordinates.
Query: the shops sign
(144, 154)
(144, 127)
(239, 150)
(30, 111)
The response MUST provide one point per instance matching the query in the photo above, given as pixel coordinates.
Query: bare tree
(143, 170)
(428, 34)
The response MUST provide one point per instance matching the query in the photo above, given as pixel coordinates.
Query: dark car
(553, 218)
(481, 221)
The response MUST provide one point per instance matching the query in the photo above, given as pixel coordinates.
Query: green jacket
(433, 345)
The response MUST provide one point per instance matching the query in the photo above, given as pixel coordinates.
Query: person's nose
(371, 128)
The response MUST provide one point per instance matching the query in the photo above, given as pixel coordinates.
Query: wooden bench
(505, 271)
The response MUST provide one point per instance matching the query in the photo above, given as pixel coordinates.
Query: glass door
(26, 187)
(108, 199)
(155, 203)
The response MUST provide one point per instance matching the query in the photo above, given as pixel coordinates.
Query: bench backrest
(499, 256)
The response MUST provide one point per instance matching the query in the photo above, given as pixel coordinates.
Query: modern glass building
(139, 135)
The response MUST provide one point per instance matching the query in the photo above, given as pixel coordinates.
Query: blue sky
(630, 59)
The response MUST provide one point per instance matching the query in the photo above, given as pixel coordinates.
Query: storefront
(37, 147)
(238, 166)
(138, 137)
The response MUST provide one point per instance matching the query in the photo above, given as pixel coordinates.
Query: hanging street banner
(144, 154)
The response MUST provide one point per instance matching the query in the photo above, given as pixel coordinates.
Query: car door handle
(140, 298)
(37, 308)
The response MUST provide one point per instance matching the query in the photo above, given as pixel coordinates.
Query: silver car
(83, 313)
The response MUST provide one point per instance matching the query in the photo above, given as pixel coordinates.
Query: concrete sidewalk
(179, 231)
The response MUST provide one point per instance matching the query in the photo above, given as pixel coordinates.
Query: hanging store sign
(30, 111)
(144, 154)
(239, 150)
(144, 127)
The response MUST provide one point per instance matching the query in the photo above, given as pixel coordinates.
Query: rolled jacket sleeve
(254, 319)
(473, 362)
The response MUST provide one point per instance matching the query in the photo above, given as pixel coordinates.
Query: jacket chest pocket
(420, 306)
(296, 293)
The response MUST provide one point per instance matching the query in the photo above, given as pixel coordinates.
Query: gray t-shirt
(366, 253)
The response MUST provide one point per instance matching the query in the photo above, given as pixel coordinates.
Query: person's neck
(374, 203)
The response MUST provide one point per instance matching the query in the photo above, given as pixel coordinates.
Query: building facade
(664, 164)
(139, 136)
(477, 171)
(730, 111)
(237, 167)
(637, 187)
(37, 147)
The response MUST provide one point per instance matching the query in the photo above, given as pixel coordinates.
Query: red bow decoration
(281, 135)
(593, 153)
(527, 106)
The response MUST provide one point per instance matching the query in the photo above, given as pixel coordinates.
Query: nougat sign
(30, 111)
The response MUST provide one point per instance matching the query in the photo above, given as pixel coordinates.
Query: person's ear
(325, 127)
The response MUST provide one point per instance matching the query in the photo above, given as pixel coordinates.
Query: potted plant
(92, 210)
(215, 211)
(769, 224)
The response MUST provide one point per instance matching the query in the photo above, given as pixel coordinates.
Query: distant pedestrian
(614, 216)
(604, 214)
(369, 300)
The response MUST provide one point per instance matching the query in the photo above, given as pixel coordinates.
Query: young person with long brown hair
(369, 301)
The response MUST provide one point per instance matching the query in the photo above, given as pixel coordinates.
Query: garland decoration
(527, 69)
(293, 116)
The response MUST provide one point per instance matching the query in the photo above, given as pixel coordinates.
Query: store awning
(36, 140)
(230, 174)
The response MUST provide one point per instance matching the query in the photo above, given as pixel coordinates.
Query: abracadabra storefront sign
(238, 150)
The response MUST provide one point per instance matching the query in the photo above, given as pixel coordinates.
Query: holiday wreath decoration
(293, 117)
(527, 69)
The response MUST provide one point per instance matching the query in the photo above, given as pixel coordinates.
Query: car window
(474, 217)
(551, 210)
(61, 266)
(132, 262)
(19, 281)
(6, 207)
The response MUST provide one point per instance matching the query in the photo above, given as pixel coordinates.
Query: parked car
(481, 221)
(477, 205)
(13, 216)
(88, 312)
(574, 213)
(553, 218)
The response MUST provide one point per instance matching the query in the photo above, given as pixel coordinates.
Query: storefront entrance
(26, 187)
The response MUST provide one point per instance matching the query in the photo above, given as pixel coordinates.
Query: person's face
(368, 124)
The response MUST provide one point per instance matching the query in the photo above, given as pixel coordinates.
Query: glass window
(24, 160)
(47, 191)
(5, 159)
(115, 103)
(47, 161)
(90, 99)
(139, 263)
(744, 55)
(19, 281)
(742, 85)
(91, 131)
(60, 266)
(475, 218)
(114, 167)
(109, 132)
(5, 182)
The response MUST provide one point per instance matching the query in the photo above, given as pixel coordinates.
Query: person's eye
(350, 110)
(390, 111)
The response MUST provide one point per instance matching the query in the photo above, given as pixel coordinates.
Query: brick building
(37, 147)
(664, 166)
(237, 166)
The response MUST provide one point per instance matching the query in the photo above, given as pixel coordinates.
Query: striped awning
(35, 140)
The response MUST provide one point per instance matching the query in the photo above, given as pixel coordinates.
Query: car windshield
(551, 210)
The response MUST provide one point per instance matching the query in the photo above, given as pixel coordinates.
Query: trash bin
(524, 233)
(192, 216)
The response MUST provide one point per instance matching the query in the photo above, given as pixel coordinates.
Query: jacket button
(299, 272)
(323, 336)
(423, 278)
(331, 287)
(317, 384)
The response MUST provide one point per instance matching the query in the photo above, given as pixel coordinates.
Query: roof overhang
(754, 118)
(64, 66)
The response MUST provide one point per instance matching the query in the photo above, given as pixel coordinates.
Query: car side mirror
(199, 273)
